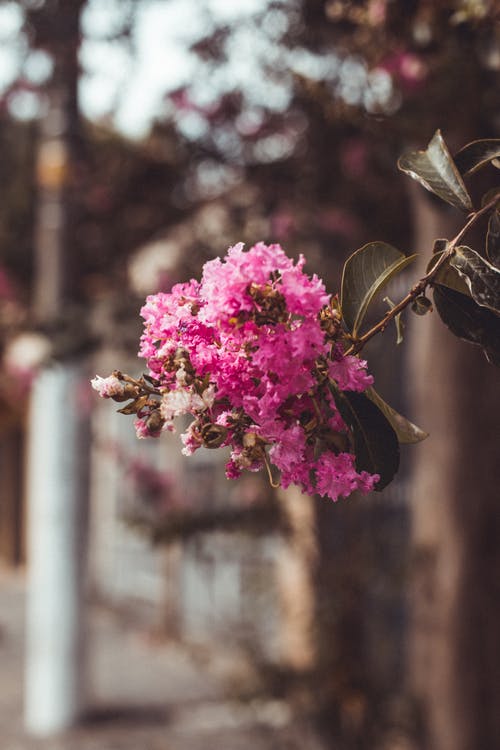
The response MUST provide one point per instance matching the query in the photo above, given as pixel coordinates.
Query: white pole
(57, 523)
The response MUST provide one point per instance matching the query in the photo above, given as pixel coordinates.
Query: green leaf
(469, 321)
(440, 246)
(397, 321)
(481, 277)
(365, 274)
(493, 239)
(490, 195)
(435, 169)
(475, 155)
(406, 431)
(375, 443)
(448, 276)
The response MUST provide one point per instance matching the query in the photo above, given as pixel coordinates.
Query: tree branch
(421, 285)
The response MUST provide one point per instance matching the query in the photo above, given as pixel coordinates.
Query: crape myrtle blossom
(251, 352)
(109, 387)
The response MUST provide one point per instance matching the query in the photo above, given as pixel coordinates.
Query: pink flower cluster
(249, 352)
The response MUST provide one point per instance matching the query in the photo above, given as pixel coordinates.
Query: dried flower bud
(253, 447)
(213, 435)
(421, 305)
(129, 391)
(330, 322)
(155, 421)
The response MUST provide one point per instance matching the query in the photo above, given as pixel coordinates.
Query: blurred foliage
(124, 193)
(360, 80)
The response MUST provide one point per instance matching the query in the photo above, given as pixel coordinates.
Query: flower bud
(213, 435)
(421, 305)
(155, 421)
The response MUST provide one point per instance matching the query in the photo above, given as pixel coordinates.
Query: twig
(421, 285)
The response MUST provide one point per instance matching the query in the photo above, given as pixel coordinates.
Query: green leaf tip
(406, 431)
(435, 169)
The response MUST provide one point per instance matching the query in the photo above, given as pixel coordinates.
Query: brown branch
(421, 285)
(139, 383)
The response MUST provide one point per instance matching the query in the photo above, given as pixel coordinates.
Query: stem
(316, 408)
(140, 384)
(274, 485)
(421, 285)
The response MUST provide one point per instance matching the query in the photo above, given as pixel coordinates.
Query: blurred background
(146, 602)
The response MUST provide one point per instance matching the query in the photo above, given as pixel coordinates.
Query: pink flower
(141, 428)
(190, 440)
(349, 373)
(288, 452)
(304, 296)
(240, 269)
(108, 387)
(175, 403)
(336, 476)
(247, 353)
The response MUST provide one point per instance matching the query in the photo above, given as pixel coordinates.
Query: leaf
(436, 171)
(490, 195)
(440, 246)
(448, 276)
(365, 274)
(151, 380)
(475, 155)
(375, 443)
(481, 277)
(493, 239)
(130, 408)
(133, 406)
(397, 321)
(406, 431)
(469, 321)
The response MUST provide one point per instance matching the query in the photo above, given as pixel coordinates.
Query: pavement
(146, 694)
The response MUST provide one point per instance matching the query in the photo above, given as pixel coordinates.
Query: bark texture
(455, 654)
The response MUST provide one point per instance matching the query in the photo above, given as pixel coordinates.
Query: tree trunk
(296, 567)
(455, 656)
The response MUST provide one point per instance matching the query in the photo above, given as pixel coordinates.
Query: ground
(160, 697)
